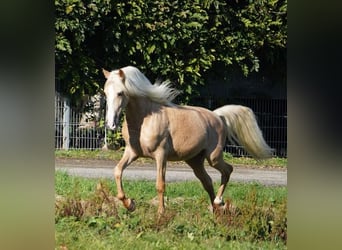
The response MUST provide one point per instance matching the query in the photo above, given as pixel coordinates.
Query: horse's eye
(120, 94)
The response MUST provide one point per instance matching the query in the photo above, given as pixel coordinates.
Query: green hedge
(177, 40)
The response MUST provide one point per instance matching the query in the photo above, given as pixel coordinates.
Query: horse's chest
(147, 139)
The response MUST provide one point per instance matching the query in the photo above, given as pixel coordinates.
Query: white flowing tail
(243, 128)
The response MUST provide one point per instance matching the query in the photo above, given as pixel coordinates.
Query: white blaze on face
(115, 97)
(110, 96)
(116, 100)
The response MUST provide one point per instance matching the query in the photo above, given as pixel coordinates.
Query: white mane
(137, 84)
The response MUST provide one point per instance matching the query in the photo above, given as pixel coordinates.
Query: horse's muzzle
(111, 127)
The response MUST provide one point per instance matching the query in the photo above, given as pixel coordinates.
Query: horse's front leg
(127, 158)
(160, 183)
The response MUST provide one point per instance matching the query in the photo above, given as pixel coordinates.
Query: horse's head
(116, 97)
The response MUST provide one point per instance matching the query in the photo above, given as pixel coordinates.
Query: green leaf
(194, 25)
(69, 8)
(138, 45)
(189, 69)
(188, 89)
(151, 49)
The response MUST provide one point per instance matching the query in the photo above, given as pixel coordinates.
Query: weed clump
(252, 221)
(100, 203)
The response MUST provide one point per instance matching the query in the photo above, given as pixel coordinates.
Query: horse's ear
(122, 75)
(105, 73)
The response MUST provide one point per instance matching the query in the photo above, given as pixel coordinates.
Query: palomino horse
(154, 127)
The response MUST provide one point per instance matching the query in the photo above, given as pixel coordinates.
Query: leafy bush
(177, 40)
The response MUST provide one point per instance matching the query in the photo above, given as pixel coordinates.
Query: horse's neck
(137, 109)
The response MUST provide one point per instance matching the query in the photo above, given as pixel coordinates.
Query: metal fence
(74, 131)
(271, 115)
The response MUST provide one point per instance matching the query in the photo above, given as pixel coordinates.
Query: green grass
(90, 154)
(84, 219)
(116, 155)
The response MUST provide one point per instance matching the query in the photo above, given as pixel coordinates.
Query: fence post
(66, 123)
(105, 146)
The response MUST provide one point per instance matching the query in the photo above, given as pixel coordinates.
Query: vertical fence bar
(58, 122)
(66, 124)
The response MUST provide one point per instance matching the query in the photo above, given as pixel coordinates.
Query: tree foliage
(177, 40)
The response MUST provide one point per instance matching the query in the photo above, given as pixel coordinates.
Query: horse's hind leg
(216, 161)
(197, 164)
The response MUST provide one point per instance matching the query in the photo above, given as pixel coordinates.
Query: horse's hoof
(131, 206)
(220, 209)
(216, 207)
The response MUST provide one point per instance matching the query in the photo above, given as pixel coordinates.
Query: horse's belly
(187, 142)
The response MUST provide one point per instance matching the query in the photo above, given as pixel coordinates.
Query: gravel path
(174, 172)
